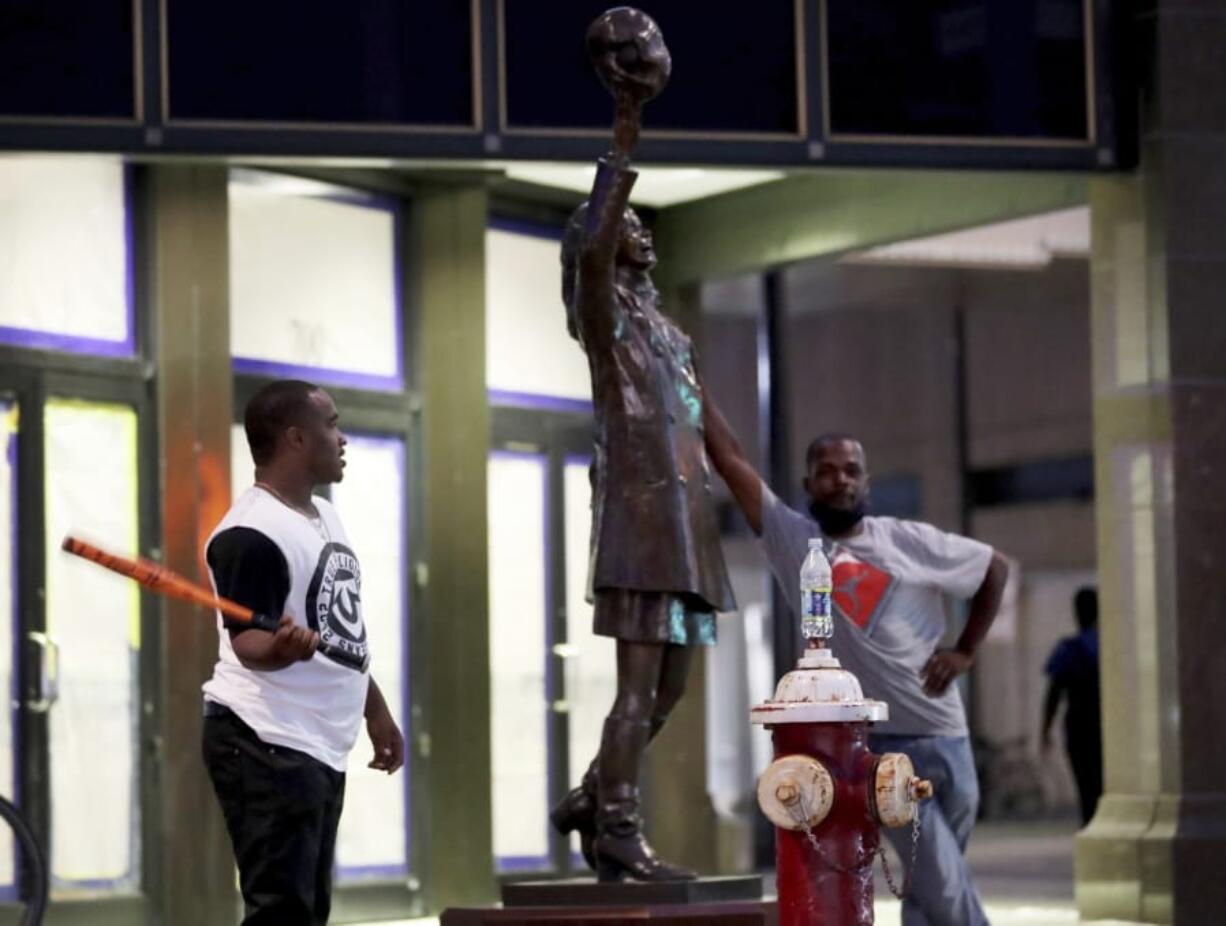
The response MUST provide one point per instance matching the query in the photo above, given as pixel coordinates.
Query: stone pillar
(453, 849)
(192, 880)
(1156, 849)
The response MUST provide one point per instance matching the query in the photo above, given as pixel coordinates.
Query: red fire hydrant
(827, 793)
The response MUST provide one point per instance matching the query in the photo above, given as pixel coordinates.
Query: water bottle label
(816, 603)
(816, 623)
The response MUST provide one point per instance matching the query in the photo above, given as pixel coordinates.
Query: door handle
(49, 671)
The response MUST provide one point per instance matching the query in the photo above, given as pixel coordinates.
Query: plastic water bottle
(816, 622)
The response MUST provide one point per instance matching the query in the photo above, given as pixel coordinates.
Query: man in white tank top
(282, 710)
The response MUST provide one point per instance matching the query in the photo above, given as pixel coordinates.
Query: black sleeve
(249, 568)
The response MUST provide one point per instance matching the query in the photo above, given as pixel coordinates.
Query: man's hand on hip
(942, 668)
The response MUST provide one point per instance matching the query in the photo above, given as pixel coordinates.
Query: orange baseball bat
(168, 582)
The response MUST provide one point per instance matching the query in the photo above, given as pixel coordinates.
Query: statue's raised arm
(628, 52)
(630, 57)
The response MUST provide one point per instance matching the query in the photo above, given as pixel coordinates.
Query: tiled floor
(1025, 874)
(887, 915)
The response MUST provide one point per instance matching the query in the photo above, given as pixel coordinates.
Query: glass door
(520, 638)
(89, 647)
(10, 757)
(374, 837)
(552, 680)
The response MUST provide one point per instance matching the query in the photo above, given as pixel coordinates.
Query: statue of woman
(657, 570)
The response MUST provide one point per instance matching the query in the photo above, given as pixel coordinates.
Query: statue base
(729, 901)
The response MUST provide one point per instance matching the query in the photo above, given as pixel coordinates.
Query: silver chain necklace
(316, 519)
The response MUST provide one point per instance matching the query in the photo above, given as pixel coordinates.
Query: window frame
(329, 377)
(21, 340)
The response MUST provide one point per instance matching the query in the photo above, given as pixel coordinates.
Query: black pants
(1086, 757)
(282, 808)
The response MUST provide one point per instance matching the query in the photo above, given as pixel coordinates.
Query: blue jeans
(942, 892)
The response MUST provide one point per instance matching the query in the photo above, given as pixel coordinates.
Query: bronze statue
(657, 571)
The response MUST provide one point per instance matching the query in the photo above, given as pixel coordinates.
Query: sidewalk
(1024, 872)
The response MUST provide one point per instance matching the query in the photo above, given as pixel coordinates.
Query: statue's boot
(577, 810)
(620, 848)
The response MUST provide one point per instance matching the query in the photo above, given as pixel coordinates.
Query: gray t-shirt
(891, 584)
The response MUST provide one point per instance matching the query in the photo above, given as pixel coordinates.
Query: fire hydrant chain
(885, 862)
(801, 814)
(802, 820)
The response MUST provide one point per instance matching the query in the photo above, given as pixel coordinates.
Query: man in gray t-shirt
(892, 582)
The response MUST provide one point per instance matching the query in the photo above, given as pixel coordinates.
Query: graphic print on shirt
(860, 589)
(334, 600)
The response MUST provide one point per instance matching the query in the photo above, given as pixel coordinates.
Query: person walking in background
(1072, 673)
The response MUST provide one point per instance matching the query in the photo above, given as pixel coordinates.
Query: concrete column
(1156, 849)
(192, 881)
(454, 849)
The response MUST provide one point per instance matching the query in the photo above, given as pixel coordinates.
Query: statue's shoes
(577, 812)
(621, 857)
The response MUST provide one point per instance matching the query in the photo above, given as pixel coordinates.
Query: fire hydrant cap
(796, 791)
(897, 790)
(818, 690)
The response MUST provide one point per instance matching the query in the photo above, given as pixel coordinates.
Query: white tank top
(315, 706)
